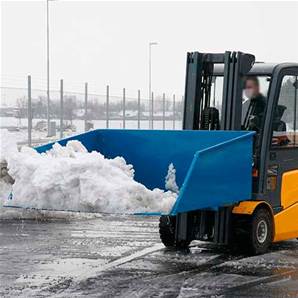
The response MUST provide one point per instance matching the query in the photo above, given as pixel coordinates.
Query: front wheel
(167, 231)
(260, 231)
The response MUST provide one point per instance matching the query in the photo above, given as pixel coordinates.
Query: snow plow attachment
(213, 168)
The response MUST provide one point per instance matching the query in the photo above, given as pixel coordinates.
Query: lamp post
(48, 68)
(48, 71)
(150, 92)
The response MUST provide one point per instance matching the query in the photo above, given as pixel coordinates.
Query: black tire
(260, 232)
(167, 227)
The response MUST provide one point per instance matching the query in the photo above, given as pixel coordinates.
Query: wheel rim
(262, 231)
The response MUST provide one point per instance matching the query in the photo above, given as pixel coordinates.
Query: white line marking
(93, 273)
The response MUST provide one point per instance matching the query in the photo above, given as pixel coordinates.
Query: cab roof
(259, 68)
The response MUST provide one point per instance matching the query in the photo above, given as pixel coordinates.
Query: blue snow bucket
(213, 168)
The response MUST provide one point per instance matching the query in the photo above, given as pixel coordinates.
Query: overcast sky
(107, 42)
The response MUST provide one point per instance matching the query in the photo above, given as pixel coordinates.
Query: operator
(253, 108)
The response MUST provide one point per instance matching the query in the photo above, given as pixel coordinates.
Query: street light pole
(48, 70)
(150, 91)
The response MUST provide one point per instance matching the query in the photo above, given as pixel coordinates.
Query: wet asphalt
(121, 256)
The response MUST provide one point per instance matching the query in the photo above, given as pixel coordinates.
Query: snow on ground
(70, 178)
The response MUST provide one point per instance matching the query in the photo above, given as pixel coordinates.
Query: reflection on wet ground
(121, 256)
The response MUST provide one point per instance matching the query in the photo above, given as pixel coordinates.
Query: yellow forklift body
(248, 207)
(289, 189)
(286, 221)
(286, 224)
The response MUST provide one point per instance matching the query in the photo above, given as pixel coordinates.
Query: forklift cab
(220, 101)
(214, 100)
(276, 139)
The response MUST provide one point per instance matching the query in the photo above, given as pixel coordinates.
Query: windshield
(254, 99)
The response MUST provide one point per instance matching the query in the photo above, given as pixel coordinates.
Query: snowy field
(129, 124)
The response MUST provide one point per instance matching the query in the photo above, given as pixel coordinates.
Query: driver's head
(252, 87)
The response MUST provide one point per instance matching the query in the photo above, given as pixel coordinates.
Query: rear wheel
(167, 227)
(260, 233)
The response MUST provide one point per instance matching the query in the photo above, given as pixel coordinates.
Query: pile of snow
(70, 178)
(8, 147)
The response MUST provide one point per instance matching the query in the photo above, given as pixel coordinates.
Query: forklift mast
(198, 115)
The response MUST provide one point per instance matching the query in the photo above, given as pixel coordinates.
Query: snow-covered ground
(79, 124)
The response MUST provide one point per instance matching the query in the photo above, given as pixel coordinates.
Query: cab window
(285, 118)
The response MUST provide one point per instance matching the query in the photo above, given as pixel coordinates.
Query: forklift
(214, 101)
(236, 168)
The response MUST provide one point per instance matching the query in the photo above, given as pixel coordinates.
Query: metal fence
(74, 112)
